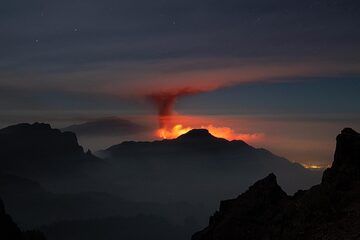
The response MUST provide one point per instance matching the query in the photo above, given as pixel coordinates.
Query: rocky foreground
(328, 211)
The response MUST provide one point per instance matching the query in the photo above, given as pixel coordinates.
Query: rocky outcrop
(39, 148)
(328, 211)
(252, 211)
(346, 166)
(28, 138)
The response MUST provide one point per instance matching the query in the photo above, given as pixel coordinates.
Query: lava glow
(173, 132)
(315, 167)
(220, 132)
(168, 119)
(230, 134)
(164, 102)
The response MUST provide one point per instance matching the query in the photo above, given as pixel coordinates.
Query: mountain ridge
(205, 159)
(40, 149)
(327, 211)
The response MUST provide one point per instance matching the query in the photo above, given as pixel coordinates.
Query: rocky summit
(37, 149)
(328, 211)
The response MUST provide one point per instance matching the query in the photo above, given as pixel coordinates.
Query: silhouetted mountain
(10, 231)
(43, 150)
(346, 166)
(39, 149)
(198, 160)
(329, 211)
(198, 136)
(112, 126)
(152, 176)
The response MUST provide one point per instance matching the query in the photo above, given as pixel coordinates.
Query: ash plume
(165, 101)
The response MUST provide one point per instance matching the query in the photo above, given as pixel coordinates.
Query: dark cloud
(319, 97)
(70, 53)
(25, 98)
(45, 34)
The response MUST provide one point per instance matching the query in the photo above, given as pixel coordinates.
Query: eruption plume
(165, 101)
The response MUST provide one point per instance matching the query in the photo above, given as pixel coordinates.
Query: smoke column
(165, 101)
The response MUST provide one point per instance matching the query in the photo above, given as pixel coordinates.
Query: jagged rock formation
(38, 148)
(346, 166)
(10, 231)
(328, 211)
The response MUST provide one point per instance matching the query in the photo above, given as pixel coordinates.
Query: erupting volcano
(220, 132)
(173, 132)
(165, 102)
(169, 126)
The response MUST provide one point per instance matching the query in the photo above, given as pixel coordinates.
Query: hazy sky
(293, 61)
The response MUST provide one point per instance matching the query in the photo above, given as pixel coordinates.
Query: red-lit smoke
(165, 101)
(171, 126)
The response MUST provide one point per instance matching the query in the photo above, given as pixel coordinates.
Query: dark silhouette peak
(248, 215)
(349, 131)
(27, 147)
(27, 127)
(38, 136)
(267, 182)
(264, 192)
(197, 135)
(346, 165)
(266, 188)
(27, 130)
(271, 178)
(328, 211)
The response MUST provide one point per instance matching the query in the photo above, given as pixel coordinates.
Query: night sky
(286, 70)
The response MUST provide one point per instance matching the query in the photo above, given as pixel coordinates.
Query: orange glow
(315, 167)
(173, 132)
(230, 134)
(220, 132)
